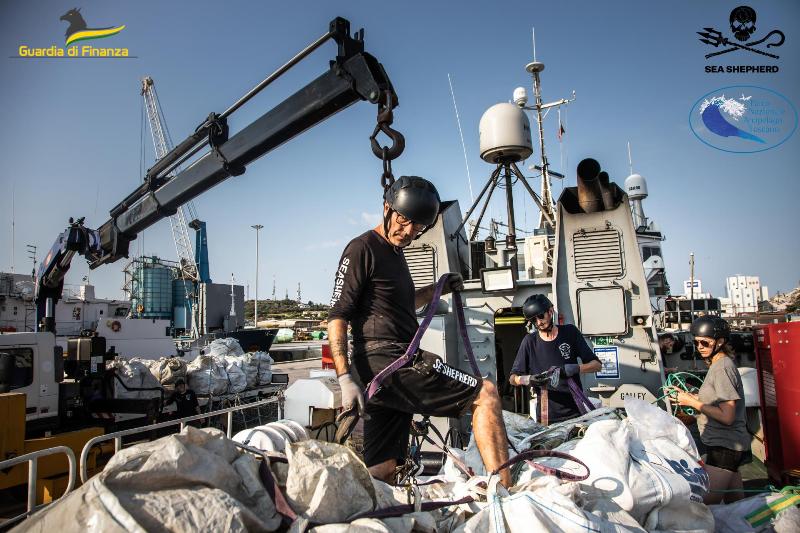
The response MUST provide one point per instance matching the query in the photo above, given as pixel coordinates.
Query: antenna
(533, 37)
(13, 216)
(233, 300)
(32, 257)
(630, 160)
(461, 134)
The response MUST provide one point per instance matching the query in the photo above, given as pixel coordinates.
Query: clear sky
(71, 139)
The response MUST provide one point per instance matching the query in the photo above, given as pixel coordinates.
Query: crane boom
(354, 75)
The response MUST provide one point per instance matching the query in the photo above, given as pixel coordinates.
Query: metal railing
(32, 460)
(117, 436)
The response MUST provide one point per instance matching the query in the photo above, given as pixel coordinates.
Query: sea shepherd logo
(78, 32)
(742, 22)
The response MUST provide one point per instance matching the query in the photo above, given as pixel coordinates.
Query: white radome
(505, 134)
(520, 96)
(636, 186)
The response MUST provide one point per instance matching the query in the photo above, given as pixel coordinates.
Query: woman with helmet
(374, 293)
(720, 402)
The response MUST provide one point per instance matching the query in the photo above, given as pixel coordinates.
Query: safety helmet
(713, 327)
(536, 304)
(415, 198)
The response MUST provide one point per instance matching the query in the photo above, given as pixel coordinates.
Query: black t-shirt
(374, 292)
(537, 355)
(186, 403)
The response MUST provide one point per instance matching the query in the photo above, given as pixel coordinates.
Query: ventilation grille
(598, 254)
(422, 264)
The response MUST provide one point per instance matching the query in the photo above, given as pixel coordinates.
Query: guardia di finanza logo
(78, 32)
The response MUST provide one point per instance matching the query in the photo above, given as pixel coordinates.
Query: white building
(744, 293)
(698, 289)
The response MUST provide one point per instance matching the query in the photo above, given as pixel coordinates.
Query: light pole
(256, 227)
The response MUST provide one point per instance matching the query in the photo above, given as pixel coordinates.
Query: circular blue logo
(743, 119)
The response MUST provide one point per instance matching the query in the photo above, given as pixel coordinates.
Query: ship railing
(32, 459)
(182, 422)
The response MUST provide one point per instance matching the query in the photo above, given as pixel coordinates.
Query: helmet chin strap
(386, 219)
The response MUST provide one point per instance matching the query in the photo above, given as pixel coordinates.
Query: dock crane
(192, 266)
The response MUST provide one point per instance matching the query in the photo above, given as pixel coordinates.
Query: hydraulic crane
(352, 76)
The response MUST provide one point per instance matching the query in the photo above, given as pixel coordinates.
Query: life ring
(116, 326)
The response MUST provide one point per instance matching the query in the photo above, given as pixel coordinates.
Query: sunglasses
(540, 316)
(704, 344)
(403, 221)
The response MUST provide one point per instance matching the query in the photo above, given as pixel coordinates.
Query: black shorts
(428, 387)
(726, 458)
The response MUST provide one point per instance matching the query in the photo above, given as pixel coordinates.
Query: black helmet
(711, 326)
(415, 198)
(536, 304)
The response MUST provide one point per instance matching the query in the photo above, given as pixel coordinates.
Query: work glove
(454, 282)
(569, 370)
(352, 394)
(524, 381)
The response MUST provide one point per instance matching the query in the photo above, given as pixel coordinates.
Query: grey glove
(455, 282)
(352, 393)
(524, 381)
(570, 369)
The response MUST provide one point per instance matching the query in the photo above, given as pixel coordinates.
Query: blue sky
(71, 137)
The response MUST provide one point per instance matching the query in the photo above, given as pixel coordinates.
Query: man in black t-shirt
(375, 295)
(548, 346)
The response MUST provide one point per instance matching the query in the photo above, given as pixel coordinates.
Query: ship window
(21, 374)
(648, 251)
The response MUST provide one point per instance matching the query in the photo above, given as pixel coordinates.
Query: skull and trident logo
(743, 26)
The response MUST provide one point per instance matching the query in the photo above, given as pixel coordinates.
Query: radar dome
(505, 134)
(636, 187)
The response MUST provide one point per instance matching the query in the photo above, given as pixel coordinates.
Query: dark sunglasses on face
(704, 344)
(540, 316)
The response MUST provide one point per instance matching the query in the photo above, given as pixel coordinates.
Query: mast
(534, 68)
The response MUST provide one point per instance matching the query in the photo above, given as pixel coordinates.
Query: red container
(778, 364)
(327, 358)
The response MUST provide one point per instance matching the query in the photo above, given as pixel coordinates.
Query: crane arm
(353, 76)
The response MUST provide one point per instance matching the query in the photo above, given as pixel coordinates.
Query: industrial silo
(151, 289)
(182, 296)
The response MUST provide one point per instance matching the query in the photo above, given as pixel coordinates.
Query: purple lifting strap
(581, 400)
(407, 357)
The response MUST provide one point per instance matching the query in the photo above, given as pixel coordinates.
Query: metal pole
(691, 287)
(511, 238)
(256, 227)
(32, 475)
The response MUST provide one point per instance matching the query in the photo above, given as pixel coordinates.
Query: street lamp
(255, 307)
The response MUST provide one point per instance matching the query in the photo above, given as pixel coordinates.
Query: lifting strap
(408, 356)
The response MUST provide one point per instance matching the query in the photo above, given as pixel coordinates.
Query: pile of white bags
(207, 376)
(644, 475)
(132, 374)
(195, 481)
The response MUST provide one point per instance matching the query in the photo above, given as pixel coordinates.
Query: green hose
(681, 380)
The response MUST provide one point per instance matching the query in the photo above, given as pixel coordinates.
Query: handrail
(117, 435)
(32, 460)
